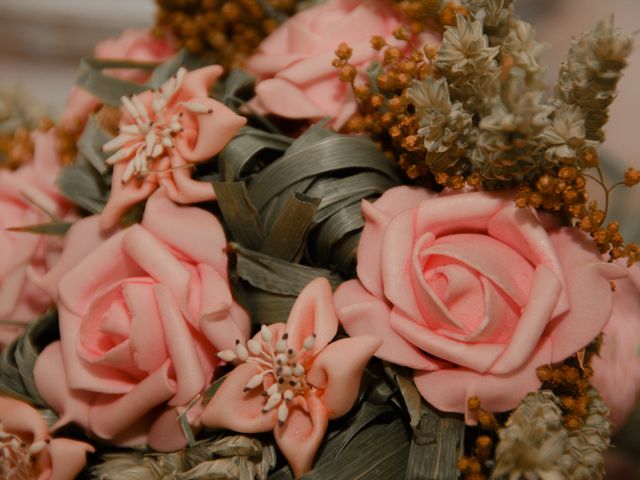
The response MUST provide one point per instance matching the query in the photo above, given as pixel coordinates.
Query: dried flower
(589, 77)
(533, 440)
(227, 30)
(583, 458)
(444, 127)
(224, 457)
(469, 63)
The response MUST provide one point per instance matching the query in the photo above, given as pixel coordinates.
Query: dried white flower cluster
(490, 115)
(469, 64)
(536, 445)
(444, 126)
(230, 458)
(588, 78)
(533, 441)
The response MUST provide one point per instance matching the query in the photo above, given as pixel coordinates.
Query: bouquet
(271, 239)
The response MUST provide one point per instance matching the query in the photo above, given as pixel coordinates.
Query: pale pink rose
(134, 45)
(295, 76)
(142, 314)
(163, 134)
(473, 293)
(291, 379)
(28, 196)
(28, 451)
(616, 371)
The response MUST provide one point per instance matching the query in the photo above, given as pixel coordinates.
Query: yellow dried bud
(348, 73)
(391, 55)
(344, 52)
(631, 177)
(378, 43)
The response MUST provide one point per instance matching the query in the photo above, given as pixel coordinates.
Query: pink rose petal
(340, 379)
(234, 409)
(301, 435)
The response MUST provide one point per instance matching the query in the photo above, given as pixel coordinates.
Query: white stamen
(158, 150)
(288, 395)
(274, 400)
(196, 107)
(283, 413)
(227, 355)
(158, 104)
(117, 142)
(266, 333)
(254, 347)
(286, 371)
(140, 108)
(131, 129)
(180, 75)
(272, 389)
(298, 370)
(241, 351)
(121, 154)
(167, 142)
(309, 342)
(126, 103)
(37, 447)
(255, 381)
(128, 172)
(281, 345)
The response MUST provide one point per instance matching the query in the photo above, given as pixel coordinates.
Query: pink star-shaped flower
(163, 133)
(291, 380)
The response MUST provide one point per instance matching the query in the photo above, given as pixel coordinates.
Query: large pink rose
(28, 196)
(295, 76)
(474, 293)
(28, 451)
(616, 371)
(142, 315)
(133, 45)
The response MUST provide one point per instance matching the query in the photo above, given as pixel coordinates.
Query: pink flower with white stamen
(291, 379)
(163, 133)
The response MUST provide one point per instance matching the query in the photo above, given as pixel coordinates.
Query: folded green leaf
(18, 359)
(53, 228)
(277, 276)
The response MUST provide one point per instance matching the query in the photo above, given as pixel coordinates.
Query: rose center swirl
(282, 369)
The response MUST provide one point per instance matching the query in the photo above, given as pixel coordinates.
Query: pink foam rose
(134, 45)
(163, 134)
(295, 76)
(473, 293)
(292, 380)
(28, 196)
(28, 451)
(142, 314)
(616, 372)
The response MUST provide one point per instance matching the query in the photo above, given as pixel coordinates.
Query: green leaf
(212, 389)
(436, 446)
(286, 238)
(53, 228)
(402, 377)
(18, 359)
(277, 276)
(91, 77)
(90, 144)
(84, 186)
(239, 214)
